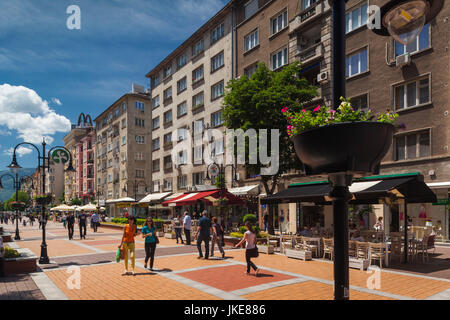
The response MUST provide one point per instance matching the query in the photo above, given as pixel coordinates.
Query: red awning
(191, 198)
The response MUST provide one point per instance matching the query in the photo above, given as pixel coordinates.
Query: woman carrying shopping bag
(127, 244)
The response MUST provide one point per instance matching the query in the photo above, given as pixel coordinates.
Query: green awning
(442, 202)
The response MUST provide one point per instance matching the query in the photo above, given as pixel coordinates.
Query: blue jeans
(178, 234)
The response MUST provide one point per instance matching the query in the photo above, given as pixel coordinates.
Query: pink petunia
(284, 110)
(304, 111)
(316, 109)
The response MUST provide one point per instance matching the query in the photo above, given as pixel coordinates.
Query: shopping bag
(118, 255)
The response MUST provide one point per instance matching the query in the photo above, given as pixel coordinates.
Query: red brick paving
(232, 278)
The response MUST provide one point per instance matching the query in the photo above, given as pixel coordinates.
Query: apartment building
(380, 76)
(81, 142)
(186, 99)
(123, 148)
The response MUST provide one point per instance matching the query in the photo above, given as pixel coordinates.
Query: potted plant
(43, 199)
(266, 248)
(345, 140)
(17, 205)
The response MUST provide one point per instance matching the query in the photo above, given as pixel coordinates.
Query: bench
(298, 254)
(361, 264)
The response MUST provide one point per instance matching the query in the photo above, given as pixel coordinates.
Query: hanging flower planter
(44, 200)
(17, 205)
(340, 141)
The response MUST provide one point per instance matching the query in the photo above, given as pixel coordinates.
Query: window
(356, 63)
(250, 70)
(412, 94)
(124, 156)
(156, 81)
(140, 139)
(168, 162)
(110, 163)
(216, 119)
(139, 106)
(182, 85)
(197, 178)
(155, 165)
(110, 178)
(109, 147)
(124, 123)
(168, 139)
(155, 144)
(168, 117)
(412, 146)
(181, 61)
(155, 123)
(360, 103)
(139, 122)
(422, 42)
(124, 107)
(140, 173)
(167, 72)
(155, 102)
(307, 3)
(139, 156)
(251, 41)
(182, 182)
(217, 148)
(279, 59)
(218, 33)
(168, 93)
(356, 18)
(182, 109)
(197, 101)
(156, 186)
(198, 126)
(182, 134)
(168, 184)
(217, 62)
(279, 23)
(250, 8)
(197, 74)
(198, 47)
(124, 140)
(182, 157)
(116, 113)
(198, 154)
(217, 90)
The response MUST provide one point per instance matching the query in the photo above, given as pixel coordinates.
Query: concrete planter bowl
(349, 147)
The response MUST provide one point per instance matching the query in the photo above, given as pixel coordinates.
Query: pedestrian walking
(177, 227)
(127, 244)
(95, 221)
(217, 237)
(70, 224)
(6, 218)
(82, 220)
(64, 220)
(187, 227)
(31, 219)
(1, 217)
(251, 251)
(40, 221)
(149, 234)
(203, 234)
(20, 217)
(266, 221)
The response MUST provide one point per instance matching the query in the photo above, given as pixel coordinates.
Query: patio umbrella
(88, 207)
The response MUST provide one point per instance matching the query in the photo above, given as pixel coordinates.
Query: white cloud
(21, 151)
(24, 111)
(57, 101)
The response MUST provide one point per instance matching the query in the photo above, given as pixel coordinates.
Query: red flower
(316, 109)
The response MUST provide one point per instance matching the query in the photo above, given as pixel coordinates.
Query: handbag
(157, 239)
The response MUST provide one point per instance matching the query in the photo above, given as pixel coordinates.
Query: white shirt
(187, 222)
(250, 242)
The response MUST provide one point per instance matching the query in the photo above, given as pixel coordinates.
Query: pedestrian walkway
(179, 275)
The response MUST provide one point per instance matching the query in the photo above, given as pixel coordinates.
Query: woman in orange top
(129, 232)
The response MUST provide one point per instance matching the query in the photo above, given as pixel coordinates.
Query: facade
(81, 142)
(54, 180)
(186, 90)
(122, 151)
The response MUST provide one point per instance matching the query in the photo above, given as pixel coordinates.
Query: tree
(76, 202)
(23, 197)
(62, 199)
(256, 103)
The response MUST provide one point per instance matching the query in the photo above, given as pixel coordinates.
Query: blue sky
(50, 74)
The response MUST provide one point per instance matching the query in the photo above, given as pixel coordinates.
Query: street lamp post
(17, 186)
(217, 171)
(61, 154)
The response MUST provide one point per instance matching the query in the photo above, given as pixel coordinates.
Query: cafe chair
(328, 248)
(376, 252)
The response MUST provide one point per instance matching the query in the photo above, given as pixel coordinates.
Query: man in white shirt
(187, 227)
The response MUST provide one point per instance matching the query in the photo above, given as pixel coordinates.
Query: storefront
(152, 203)
(373, 197)
(118, 207)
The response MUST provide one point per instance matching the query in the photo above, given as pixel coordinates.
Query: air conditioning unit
(403, 60)
(323, 76)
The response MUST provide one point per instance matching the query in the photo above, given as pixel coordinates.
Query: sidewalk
(179, 275)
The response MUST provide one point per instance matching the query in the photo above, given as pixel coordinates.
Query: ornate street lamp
(17, 186)
(58, 155)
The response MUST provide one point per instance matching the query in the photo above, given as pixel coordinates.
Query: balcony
(309, 14)
(310, 54)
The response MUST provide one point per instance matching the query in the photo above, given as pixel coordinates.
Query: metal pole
(44, 257)
(405, 215)
(340, 195)
(338, 51)
(16, 182)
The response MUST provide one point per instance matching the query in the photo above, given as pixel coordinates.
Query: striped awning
(155, 197)
(368, 190)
